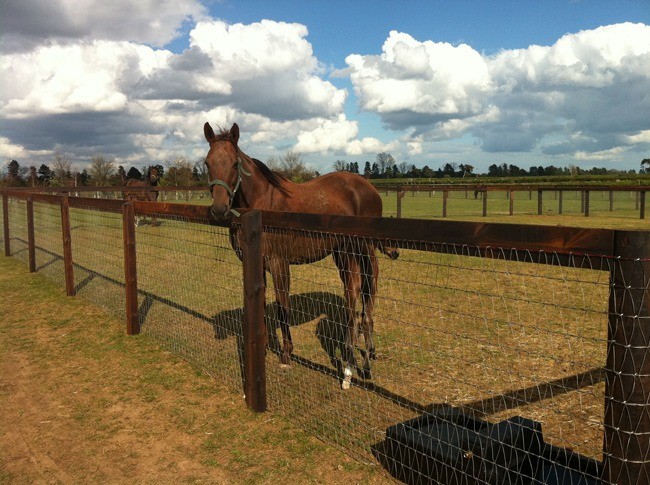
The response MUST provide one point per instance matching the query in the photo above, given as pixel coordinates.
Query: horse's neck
(257, 191)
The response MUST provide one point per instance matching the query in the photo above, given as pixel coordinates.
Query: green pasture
(621, 213)
(495, 338)
(462, 205)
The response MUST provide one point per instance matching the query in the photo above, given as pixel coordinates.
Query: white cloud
(413, 83)
(89, 77)
(153, 22)
(594, 82)
(60, 79)
(263, 76)
(338, 136)
(604, 155)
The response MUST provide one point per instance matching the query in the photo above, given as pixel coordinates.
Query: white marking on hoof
(347, 379)
(285, 366)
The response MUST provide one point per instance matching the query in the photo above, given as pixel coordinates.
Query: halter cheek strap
(231, 192)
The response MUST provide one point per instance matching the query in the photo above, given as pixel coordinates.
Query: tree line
(179, 171)
(385, 167)
(101, 172)
(105, 172)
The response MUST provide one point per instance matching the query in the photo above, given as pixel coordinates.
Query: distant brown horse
(237, 180)
(150, 180)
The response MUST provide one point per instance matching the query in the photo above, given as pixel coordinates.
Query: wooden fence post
(485, 197)
(130, 269)
(5, 224)
(67, 247)
(611, 201)
(641, 204)
(400, 194)
(626, 446)
(445, 199)
(586, 198)
(559, 202)
(254, 329)
(31, 242)
(511, 196)
(539, 203)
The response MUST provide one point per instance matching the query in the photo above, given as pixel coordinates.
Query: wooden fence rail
(400, 191)
(558, 192)
(626, 447)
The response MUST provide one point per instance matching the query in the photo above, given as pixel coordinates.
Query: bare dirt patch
(82, 402)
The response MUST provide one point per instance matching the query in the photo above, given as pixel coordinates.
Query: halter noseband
(231, 192)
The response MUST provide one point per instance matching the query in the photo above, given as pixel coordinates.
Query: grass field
(494, 338)
(462, 206)
(83, 403)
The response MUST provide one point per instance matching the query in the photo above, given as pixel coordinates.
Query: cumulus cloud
(593, 83)
(338, 136)
(125, 97)
(416, 83)
(27, 23)
(87, 77)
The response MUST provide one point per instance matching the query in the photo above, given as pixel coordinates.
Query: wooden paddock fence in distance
(551, 197)
(625, 255)
(555, 195)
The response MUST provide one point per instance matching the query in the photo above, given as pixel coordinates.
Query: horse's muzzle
(219, 215)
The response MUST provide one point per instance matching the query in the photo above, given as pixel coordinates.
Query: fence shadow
(324, 309)
(327, 311)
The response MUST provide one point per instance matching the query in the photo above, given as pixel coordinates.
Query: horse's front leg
(279, 270)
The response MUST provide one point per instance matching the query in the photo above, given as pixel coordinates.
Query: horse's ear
(208, 132)
(234, 133)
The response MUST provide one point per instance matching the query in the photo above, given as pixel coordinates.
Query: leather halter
(231, 191)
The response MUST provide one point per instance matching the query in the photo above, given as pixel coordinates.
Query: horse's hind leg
(350, 275)
(369, 275)
(279, 270)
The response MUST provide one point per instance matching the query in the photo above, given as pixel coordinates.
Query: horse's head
(153, 175)
(225, 169)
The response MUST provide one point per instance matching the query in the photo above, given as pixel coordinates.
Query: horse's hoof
(285, 366)
(285, 360)
(347, 378)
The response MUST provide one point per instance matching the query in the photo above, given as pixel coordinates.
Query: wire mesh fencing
(190, 294)
(470, 362)
(97, 242)
(486, 337)
(17, 223)
(48, 242)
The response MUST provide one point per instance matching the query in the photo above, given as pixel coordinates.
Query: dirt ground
(80, 402)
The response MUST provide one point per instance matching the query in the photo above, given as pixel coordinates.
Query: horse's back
(339, 193)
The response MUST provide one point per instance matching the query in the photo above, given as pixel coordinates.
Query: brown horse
(238, 180)
(151, 180)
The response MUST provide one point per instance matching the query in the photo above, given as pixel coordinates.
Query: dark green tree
(13, 171)
(367, 170)
(44, 174)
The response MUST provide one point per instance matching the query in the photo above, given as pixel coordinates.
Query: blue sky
(429, 82)
(339, 28)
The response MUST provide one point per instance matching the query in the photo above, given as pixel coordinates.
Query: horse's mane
(276, 179)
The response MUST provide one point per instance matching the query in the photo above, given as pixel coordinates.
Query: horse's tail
(368, 276)
(392, 253)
